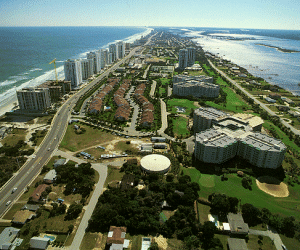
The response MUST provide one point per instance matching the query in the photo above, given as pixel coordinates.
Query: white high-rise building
(191, 56)
(113, 49)
(86, 68)
(73, 72)
(34, 98)
(120, 50)
(95, 56)
(110, 58)
(183, 58)
(104, 58)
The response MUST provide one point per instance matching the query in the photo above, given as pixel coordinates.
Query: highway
(43, 154)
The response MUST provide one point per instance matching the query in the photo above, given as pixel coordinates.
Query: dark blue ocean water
(25, 52)
(282, 69)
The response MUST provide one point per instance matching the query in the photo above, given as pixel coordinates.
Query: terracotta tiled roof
(118, 235)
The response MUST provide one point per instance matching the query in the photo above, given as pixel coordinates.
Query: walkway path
(164, 121)
(102, 170)
(271, 233)
(153, 87)
(264, 106)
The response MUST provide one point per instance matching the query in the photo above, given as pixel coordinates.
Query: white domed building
(155, 163)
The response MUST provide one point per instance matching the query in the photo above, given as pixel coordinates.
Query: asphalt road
(32, 167)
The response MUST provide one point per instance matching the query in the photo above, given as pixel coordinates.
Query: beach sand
(8, 107)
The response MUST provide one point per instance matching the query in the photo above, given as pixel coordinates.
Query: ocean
(25, 52)
(244, 47)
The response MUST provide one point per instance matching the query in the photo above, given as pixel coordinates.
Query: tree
(208, 231)
(191, 242)
(73, 211)
(247, 182)
(70, 228)
(288, 226)
(251, 214)
(154, 246)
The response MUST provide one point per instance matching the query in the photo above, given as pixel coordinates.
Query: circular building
(155, 163)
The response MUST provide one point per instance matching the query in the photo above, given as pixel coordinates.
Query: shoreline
(278, 48)
(12, 97)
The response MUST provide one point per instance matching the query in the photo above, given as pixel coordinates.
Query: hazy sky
(264, 14)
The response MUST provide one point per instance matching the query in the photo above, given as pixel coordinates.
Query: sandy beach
(8, 107)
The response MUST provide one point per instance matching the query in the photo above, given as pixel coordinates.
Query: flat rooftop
(215, 138)
(264, 142)
(210, 113)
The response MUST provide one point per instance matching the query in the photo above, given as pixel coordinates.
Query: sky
(257, 14)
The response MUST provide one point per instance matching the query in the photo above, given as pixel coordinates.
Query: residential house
(37, 194)
(50, 177)
(237, 224)
(21, 217)
(274, 96)
(116, 238)
(7, 236)
(270, 100)
(59, 162)
(39, 243)
(30, 207)
(283, 108)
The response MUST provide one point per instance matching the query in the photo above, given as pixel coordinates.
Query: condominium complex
(187, 57)
(120, 49)
(95, 56)
(86, 68)
(113, 50)
(204, 118)
(73, 72)
(183, 59)
(37, 99)
(199, 86)
(222, 137)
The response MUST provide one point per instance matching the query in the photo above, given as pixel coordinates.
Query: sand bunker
(272, 186)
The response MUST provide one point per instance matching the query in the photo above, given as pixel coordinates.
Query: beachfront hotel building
(73, 72)
(120, 49)
(200, 86)
(113, 49)
(104, 58)
(35, 99)
(95, 56)
(223, 136)
(87, 68)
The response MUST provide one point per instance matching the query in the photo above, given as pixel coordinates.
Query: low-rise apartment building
(222, 137)
(199, 86)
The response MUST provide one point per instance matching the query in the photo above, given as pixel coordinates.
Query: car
(7, 203)
(14, 190)
(33, 156)
(284, 247)
(48, 149)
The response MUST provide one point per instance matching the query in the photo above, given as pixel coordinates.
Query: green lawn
(75, 142)
(234, 102)
(162, 90)
(185, 103)
(282, 136)
(289, 206)
(180, 126)
(164, 81)
(89, 241)
(290, 243)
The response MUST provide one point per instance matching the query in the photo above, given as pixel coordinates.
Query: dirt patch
(161, 241)
(272, 186)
